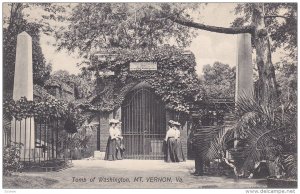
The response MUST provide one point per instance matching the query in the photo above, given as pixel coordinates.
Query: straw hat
(171, 122)
(114, 121)
(176, 123)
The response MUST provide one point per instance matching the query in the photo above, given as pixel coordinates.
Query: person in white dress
(111, 148)
(170, 143)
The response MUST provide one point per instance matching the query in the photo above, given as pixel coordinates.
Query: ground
(132, 174)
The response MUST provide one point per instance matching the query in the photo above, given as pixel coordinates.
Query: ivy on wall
(175, 80)
(47, 108)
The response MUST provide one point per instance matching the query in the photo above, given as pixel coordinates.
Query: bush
(11, 158)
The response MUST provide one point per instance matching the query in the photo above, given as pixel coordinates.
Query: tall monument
(23, 131)
(244, 71)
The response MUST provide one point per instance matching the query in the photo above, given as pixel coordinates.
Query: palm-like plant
(265, 133)
(262, 133)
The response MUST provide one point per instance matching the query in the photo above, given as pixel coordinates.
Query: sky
(207, 47)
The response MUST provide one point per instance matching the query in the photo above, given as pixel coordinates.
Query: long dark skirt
(170, 150)
(179, 151)
(120, 149)
(111, 152)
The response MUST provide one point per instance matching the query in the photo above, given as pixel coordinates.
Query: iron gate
(143, 124)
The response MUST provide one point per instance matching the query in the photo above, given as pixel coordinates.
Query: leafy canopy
(219, 80)
(122, 25)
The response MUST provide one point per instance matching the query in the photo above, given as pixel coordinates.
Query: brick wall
(104, 133)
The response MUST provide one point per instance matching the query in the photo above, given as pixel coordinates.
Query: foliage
(44, 108)
(76, 141)
(281, 24)
(219, 80)
(287, 81)
(24, 108)
(81, 138)
(11, 158)
(16, 25)
(262, 133)
(203, 138)
(218, 145)
(75, 115)
(267, 133)
(120, 25)
(175, 80)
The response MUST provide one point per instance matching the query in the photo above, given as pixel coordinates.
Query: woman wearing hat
(170, 151)
(111, 148)
(178, 147)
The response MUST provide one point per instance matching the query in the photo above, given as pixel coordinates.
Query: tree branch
(275, 16)
(233, 30)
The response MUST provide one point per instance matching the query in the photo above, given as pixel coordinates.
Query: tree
(256, 15)
(281, 28)
(15, 25)
(219, 80)
(120, 25)
(287, 81)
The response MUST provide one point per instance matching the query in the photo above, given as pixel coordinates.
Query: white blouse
(113, 133)
(177, 134)
(170, 133)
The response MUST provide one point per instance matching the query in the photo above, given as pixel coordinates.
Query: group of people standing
(173, 147)
(115, 147)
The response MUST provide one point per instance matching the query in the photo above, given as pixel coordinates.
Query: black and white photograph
(149, 95)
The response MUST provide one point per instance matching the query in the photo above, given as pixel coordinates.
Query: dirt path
(138, 174)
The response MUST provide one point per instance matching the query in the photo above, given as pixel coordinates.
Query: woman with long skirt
(178, 148)
(170, 141)
(111, 148)
(119, 141)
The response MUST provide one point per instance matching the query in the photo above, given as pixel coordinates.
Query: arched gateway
(143, 114)
(143, 118)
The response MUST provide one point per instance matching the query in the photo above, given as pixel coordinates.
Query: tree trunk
(267, 91)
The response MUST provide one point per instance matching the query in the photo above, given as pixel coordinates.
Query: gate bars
(143, 125)
(39, 137)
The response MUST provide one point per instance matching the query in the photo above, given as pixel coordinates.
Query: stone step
(99, 155)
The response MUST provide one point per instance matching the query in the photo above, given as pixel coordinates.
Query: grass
(27, 182)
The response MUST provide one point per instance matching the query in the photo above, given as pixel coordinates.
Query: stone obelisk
(23, 131)
(244, 71)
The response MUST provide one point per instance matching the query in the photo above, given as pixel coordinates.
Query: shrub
(11, 158)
